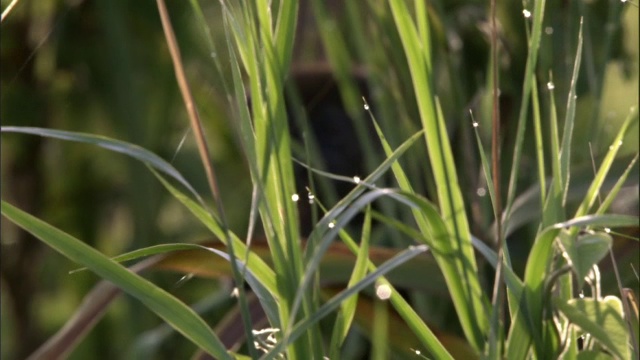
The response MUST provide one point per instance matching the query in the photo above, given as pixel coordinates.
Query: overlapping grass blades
(458, 260)
(165, 305)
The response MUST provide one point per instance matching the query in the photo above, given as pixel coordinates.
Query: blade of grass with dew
(343, 204)
(616, 188)
(332, 304)
(532, 58)
(495, 340)
(466, 292)
(380, 329)
(340, 221)
(273, 155)
(348, 308)
(553, 211)
(170, 309)
(594, 189)
(422, 332)
(567, 134)
(442, 250)
(565, 283)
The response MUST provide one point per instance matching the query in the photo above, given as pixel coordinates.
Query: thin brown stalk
(196, 126)
(187, 97)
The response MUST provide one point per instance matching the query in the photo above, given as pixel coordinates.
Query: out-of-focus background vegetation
(103, 67)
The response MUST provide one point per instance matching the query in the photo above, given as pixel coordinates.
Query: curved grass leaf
(266, 287)
(348, 308)
(123, 147)
(170, 309)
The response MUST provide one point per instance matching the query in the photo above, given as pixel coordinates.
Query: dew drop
(481, 192)
(526, 13)
(235, 292)
(356, 179)
(311, 198)
(550, 85)
(475, 124)
(548, 30)
(607, 230)
(383, 292)
(332, 225)
(366, 106)
(295, 197)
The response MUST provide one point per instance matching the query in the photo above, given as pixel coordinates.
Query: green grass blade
(594, 189)
(348, 308)
(170, 309)
(265, 287)
(530, 67)
(553, 210)
(616, 188)
(567, 134)
(462, 278)
(537, 126)
(119, 146)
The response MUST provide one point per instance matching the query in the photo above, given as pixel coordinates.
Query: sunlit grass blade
(567, 134)
(174, 312)
(265, 53)
(428, 340)
(553, 211)
(616, 188)
(348, 308)
(537, 126)
(530, 68)
(443, 248)
(594, 189)
(462, 278)
(266, 287)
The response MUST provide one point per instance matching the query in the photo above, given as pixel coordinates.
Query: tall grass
(428, 207)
